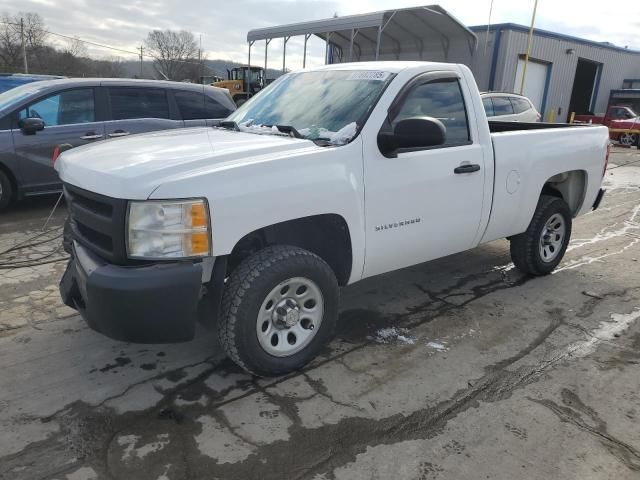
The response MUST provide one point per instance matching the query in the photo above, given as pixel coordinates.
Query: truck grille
(97, 222)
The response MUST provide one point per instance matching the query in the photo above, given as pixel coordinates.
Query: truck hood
(133, 167)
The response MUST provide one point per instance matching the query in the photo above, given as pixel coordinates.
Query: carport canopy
(405, 33)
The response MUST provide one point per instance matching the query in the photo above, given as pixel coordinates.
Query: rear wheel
(279, 308)
(6, 191)
(628, 139)
(539, 250)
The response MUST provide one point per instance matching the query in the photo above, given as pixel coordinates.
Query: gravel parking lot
(460, 368)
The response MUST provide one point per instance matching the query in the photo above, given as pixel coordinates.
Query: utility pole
(141, 61)
(200, 58)
(24, 46)
(526, 57)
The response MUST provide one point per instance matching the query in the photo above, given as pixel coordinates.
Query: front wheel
(279, 308)
(539, 250)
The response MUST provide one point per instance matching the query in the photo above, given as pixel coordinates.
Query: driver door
(70, 118)
(421, 205)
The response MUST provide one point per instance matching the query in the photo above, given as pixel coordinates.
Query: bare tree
(10, 51)
(10, 37)
(111, 68)
(171, 51)
(76, 48)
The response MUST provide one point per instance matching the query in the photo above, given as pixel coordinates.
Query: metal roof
(389, 32)
(557, 36)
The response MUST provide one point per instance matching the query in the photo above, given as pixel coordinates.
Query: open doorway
(584, 87)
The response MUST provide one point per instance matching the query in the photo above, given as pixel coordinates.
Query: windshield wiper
(229, 125)
(291, 130)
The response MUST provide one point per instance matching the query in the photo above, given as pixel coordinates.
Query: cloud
(224, 25)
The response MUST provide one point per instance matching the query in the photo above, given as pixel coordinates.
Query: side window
(216, 109)
(65, 108)
(191, 105)
(128, 103)
(520, 105)
(502, 106)
(488, 106)
(441, 99)
(620, 114)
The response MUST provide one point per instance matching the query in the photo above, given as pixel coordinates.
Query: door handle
(118, 133)
(90, 136)
(467, 168)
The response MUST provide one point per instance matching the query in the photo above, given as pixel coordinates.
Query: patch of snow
(622, 178)
(588, 260)
(129, 442)
(606, 331)
(341, 137)
(162, 441)
(250, 127)
(504, 268)
(630, 225)
(393, 335)
(439, 346)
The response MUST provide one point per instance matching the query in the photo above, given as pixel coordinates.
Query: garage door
(535, 82)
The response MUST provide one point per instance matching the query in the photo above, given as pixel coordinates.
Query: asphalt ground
(461, 368)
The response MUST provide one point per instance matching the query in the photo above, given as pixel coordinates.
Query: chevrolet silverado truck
(328, 176)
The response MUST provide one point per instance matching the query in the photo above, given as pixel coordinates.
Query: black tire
(246, 289)
(525, 247)
(241, 101)
(6, 194)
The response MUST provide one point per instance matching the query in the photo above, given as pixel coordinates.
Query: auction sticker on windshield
(369, 75)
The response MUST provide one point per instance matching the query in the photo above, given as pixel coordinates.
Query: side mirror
(30, 126)
(413, 132)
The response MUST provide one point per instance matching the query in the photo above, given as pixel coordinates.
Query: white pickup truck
(329, 176)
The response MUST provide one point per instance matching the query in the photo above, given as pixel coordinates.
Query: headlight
(168, 229)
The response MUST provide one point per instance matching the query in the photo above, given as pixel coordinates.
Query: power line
(109, 47)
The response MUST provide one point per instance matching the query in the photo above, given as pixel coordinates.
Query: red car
(623, 123)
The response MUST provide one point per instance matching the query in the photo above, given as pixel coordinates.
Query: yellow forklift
(243, 83)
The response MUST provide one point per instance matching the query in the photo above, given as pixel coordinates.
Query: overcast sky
(224, 24)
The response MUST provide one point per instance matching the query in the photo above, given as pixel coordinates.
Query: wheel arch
(326, 235)
(571, 186)
(12, 178)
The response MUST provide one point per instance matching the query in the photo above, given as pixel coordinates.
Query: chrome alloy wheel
(628, 139)
(552, 237)
(290, 316)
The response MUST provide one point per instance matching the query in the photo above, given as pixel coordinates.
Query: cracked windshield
(325, 106)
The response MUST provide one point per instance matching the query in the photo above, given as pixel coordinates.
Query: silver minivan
(37, 118)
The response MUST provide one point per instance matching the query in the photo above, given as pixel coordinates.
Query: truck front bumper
(157, 303)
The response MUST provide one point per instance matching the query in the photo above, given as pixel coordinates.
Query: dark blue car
(12, 80)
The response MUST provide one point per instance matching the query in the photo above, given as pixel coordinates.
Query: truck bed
(496, 126)
(526, 155)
